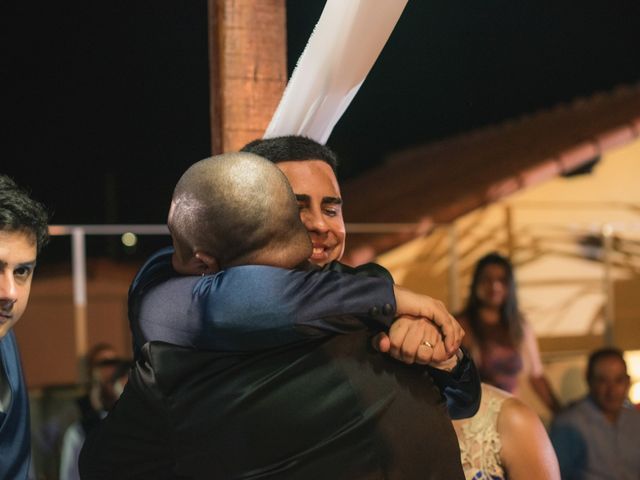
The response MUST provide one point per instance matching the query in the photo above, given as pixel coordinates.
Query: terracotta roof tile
(443, 180)
(574, 157)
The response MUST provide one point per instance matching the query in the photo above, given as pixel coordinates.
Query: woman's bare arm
(537, 378)
(526, 449)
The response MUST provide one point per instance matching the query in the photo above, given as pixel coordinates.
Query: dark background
(105, 104)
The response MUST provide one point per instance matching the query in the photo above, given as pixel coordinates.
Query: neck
(612, 417)
(489, 315)
(275, 255)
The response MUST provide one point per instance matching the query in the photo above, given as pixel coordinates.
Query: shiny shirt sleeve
(461, 387)
(254, 307)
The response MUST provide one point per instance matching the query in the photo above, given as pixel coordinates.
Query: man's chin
(5, 327)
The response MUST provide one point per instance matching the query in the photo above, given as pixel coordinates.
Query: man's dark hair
(596, 356)
(291, 148)
(20, 213)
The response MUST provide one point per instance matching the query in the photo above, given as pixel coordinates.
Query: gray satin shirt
(589, 447)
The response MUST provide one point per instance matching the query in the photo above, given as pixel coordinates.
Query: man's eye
(22, 272)
(331, 212)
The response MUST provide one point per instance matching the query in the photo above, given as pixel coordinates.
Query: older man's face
(320, 204)
(17, 262)
(609, 386)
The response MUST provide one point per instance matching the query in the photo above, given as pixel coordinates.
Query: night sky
(105, 104)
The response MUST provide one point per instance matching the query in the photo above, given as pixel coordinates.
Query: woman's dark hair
(510, 317)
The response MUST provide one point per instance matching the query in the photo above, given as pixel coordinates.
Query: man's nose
(315, 222)
(8, 290)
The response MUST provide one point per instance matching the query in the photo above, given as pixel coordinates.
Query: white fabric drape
(345, 43)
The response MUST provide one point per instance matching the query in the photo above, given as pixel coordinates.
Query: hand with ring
(425, 307)
(412, 340)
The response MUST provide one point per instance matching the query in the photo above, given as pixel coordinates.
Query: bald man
(295, 403)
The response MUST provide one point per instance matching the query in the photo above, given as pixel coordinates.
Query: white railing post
(609, 307)
(79, 268)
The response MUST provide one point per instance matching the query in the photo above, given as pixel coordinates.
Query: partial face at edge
(17, 262)
(318, 195)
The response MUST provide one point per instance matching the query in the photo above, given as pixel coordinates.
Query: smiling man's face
(17, 262)
(609, 385)
(318, 195)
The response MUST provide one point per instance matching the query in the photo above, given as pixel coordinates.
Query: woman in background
(500, 340)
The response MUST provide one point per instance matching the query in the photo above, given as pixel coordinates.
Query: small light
(632, 357)
(607, 230)
(129, 239)
(634, 393)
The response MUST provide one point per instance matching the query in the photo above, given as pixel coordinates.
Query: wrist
(451, 363)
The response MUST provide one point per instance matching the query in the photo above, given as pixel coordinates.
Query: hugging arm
(253, 307)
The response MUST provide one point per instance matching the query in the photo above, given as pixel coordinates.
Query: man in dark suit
(301, 404)
(23, 232)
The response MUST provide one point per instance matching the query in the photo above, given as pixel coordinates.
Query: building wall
(46, 331)
(554, 235)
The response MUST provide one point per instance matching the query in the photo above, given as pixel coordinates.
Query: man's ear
(208, 264)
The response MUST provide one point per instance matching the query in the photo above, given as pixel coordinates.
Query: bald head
(239, 209)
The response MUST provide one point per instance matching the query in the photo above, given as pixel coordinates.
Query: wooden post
(247, 68)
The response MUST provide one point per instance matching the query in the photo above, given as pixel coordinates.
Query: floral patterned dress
(479, 439)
